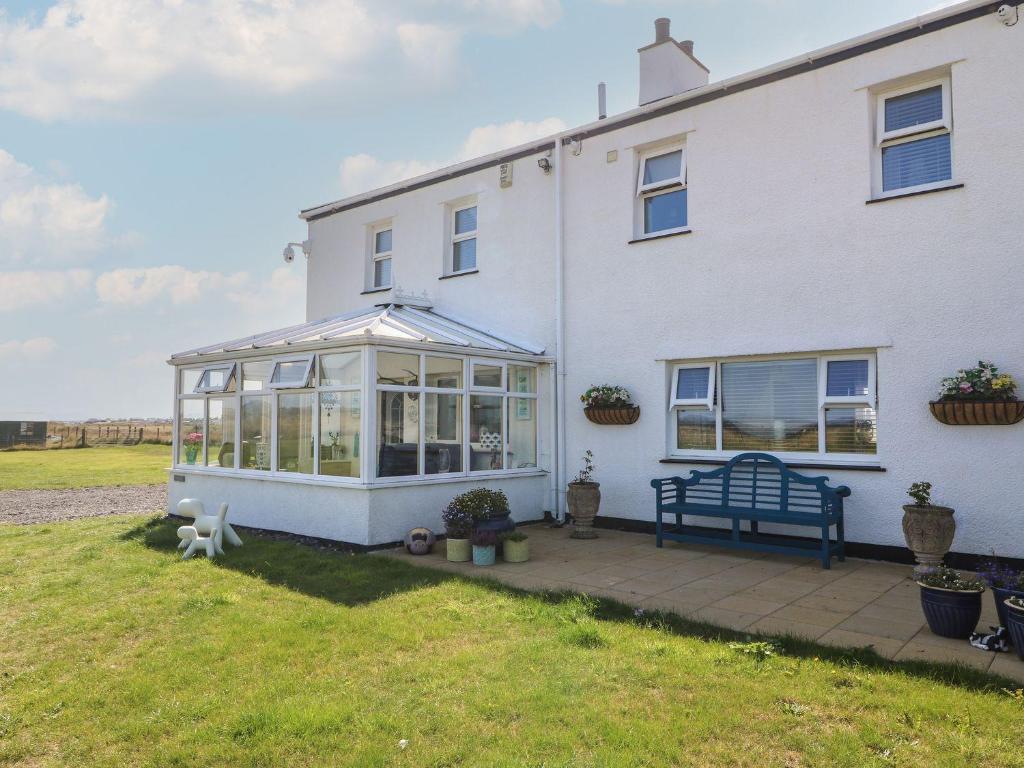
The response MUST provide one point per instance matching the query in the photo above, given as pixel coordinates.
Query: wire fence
(61, 435)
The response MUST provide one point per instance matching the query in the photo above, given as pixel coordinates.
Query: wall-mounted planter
(613, 415)
(960, 413)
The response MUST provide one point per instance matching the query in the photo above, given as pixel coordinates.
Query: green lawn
(116, 652)
(85, 467)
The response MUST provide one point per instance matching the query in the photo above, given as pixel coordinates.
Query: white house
(789, 260)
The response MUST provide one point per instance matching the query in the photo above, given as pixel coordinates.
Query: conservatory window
(661, 190)
(220, 442)
(344, 369)
(191, 430)
(398, 417)
(486, 436)
(488, 375)
(444, 372)
(256, 418)
(340, 401)
(914, 137)
(295, 432)
(442, 422)
(256, 375)
(398, 368)
(291, 373)
(190, 379)
(216, 378)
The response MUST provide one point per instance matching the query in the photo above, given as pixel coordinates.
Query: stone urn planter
(929, 531)
(584, 500)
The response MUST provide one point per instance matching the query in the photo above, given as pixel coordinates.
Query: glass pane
(485, 435)
(851, 430)
(443, 425)
(256, 432)
(915, 108)
(190, 431)
(341, 370)
(665, 211)
(522, 433)
(465, 220)
(522, 378)
(663, 167)
(398, 368)
(382, 242)
(220, 451)
(692, 383)
(847, 378)
(216, 379)
(444, 372)
(695, 429)
(292, 372)
(339, 433)
(382, 273)
(486, 375)
(464, 255)
(398, 417)
(295, 433)
(916, 162)
(770, 406)
(189, 379)
(256, 375)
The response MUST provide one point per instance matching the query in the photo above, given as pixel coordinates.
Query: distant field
(84, 467)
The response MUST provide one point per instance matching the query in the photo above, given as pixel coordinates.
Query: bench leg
(826, 555)
(841, 538)
(753, 527)
(657, 527)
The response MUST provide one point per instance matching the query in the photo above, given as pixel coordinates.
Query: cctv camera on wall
(1007, 14)
(289, 254)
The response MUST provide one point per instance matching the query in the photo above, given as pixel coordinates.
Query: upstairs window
(464, 239)
(382, 257)
(915, 128)
(661, 191)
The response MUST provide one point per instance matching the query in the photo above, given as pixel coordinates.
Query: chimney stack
(667, 67)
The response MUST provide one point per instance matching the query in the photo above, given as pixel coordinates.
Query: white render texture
(784, 256)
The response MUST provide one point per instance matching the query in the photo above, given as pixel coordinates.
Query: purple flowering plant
(1001, 576)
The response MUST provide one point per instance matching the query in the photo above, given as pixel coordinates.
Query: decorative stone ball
(419, 541)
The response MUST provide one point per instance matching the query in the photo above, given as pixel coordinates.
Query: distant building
(22, 433)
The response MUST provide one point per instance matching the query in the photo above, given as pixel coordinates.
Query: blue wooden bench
(753, 488)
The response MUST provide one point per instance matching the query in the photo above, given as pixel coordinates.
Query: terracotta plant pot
(583, 499)
(950, 613)
(929, 532)
(959, 413)
(458, 550)
(620, 415)
(516, 551)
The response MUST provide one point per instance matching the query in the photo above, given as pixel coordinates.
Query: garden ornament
(192, 541)
(205, 523)
(419, 541)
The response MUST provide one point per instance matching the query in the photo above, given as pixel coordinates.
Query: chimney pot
(661, 34)
(687, 45)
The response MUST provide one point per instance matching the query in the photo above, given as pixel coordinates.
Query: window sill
(911, 193)
(660, 236)
(375, 290)
(458, 274)
(267, 476)
(791, 464)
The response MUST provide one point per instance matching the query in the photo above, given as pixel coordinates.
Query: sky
(154, 154)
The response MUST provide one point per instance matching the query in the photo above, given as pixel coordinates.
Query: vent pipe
(602, 101)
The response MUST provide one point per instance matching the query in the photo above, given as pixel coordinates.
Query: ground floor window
(191, 431)
(295, 432)
(256, 412)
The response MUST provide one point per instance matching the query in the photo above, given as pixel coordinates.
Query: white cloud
(430, 48)
(28, 350)
(519, 13)
(40, 221)
(42, 287)
(363, 172)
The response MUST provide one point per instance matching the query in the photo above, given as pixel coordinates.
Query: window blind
(924, 161)
(692, 383)
(847, 378)
(663, 167)
(910, 109)
(851, 430)
(770, 405)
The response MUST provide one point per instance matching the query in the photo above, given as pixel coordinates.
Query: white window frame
(382, 255)
(690, 402)
(459, 237)
(818, 457)
(474, 362)
(299, 384)
(208, 389)
(654, 189)
(885, 139)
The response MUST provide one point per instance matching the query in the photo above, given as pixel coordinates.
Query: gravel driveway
(47, 506)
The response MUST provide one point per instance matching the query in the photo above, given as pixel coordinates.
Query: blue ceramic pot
(950, 613)
(483, 555)
(1015, 628)
(1000, 595)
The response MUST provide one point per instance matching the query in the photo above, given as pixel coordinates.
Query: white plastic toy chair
(191, 541)
(207, 524)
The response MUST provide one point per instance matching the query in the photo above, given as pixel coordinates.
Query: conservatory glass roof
(393, 322)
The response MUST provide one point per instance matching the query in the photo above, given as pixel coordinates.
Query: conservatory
(357, 427)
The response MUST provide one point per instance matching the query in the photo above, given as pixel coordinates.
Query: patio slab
(858, 603)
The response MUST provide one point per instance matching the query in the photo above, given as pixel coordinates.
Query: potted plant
(515, 547)
(1005, 582)
(951, 602)
(489, 509)
(584, 499)
(927, 528)
(605, 404)
(458, 525)
(193, 443)
(978, 396)
(1015, 623)
(484, 544)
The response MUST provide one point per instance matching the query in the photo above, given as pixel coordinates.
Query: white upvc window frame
(654, 189)
(885, 139)
(303, 383)
(818, 457)
(693, 402)
(458, 237)
(201, 389)
(501, 364)
(379, 256)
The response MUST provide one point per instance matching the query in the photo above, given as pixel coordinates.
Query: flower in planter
(458, 521)
(479, 504)
(607, 396)
(944, 577)
(983, 382)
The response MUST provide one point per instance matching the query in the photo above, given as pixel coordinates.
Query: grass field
(84, 467)
(116, 652)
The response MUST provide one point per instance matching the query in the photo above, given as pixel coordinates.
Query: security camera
(1007, 14)
(544, 164)
(289, 254)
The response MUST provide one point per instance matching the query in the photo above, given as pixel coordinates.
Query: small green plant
(1017, 602)
(586, 475)
(514, 536)
(484, 538)
(921, 493)
(606, 396)
(759, 650)
(583, 636)
(944, 577)
(791, 707)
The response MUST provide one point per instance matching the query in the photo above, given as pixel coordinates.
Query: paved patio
(855, 604)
